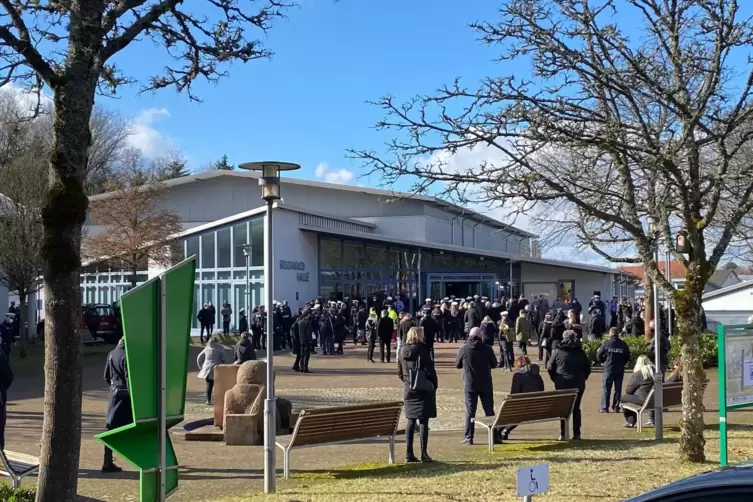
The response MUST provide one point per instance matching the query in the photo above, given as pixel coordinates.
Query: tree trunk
(688, 305)
(648, 313)
(23, 333)
(63, 217)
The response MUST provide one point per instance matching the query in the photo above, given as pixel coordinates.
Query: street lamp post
(247, 254)
(270, 183)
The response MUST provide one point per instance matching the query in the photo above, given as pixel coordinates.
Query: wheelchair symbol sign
(533, 480)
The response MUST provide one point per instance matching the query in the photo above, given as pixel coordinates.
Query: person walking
(244, 349)
(405, 324)
(212, 318)
(431, 330)
(569, 368)
(371, 334)
(212, 355)
(506, 349)
(385, 326)
(488, 330)
(226, 312)
(204, 322)
(526, 378)
(416, 370)
(613, 354)
(545, 338)
(476, 359)
(119, 399)
(522, 331)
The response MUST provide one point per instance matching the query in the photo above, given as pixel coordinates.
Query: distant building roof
(348, 188)
(676, 269)
(729, 289)
(719, 277)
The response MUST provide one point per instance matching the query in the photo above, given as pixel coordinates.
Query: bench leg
(639, 420)
(16, 482)
(286, 462)
(566, 436)
(391, 451)
(491, 439)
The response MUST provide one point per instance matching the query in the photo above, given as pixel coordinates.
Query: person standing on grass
(569, 368)
(522, 331)
(613, 354)
(226, 312)
(420, 403)
(212, 355)
(119, 399)
(506, 348)
(477, 360)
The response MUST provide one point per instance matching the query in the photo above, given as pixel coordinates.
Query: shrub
(8, 494)
(638, 347)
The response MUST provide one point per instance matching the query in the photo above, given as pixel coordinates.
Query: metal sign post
(735, 377)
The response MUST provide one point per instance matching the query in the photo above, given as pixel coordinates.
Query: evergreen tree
(223, 164)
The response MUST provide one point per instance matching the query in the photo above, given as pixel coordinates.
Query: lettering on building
(292, 265)
(302, 277)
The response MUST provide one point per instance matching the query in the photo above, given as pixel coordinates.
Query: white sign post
(533, 480)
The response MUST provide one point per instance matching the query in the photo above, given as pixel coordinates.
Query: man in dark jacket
(384, 332)
(613, 354)
(596, 326)
(569, 368)
(525, 379)
(303, 334)
(244, 349)
(472, 319)
(361, 317)
(431, 328)
(476, 359)
(119, 402)
(6, 379)
(205, 320)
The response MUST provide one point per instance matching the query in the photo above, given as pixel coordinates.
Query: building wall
(738, 301)
(400, 227)
(715, 318)
(292, 245)
(4, 302)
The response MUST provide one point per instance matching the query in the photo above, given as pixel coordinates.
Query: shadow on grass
(598, 445)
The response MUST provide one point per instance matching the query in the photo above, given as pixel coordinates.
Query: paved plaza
(212, 470)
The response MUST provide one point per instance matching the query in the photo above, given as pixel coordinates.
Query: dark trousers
(609, 380)
(372, 345)
(630, 416)
(3, 417)
(302, 356)
(226, 327)
(506, 353)
(411, 425)
(108, 452)
(542, 350)
(471, 404)
(286, 338)
(385, 346)
(210, 388)
(523, 346)
(577, 418)
(208, 329)
(256, 339)
(94, 330)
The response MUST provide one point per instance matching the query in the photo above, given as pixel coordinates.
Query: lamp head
(270, 176)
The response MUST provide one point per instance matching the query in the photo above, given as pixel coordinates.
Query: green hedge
(638, 346)
(8, 494)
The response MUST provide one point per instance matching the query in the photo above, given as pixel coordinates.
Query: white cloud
(146, 137)
(333, 175)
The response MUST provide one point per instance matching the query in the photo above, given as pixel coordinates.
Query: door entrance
(460, 285)
(461, 289)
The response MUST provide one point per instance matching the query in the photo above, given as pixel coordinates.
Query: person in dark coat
(526, 378)
(303, 341)
(119, 402)
(488, 330)
(211, 318)
(637, 327)
(476, 359)
(569, 368)
(596, 326)
(613, 354)
(471, 318)
(6, 379)
(6, 334)
(205, 322)
(431, 330)
(545, 337)
(385, 325)
(663, 348)
(340, 332)
(244, 349)
(93, 321)
(242, 320)
(420, 405)
(640, 384)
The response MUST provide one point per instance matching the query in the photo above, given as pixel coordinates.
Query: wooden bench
(17, 466)
(671, 398)
(531, 407)
(343, 424)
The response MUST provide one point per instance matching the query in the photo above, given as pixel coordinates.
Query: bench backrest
(672, 396)
(536, 406)
(346, 423)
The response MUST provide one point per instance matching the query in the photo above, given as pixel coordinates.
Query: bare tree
(170, 166)
(132, 227)
(69, 48)
(21, 230)
(607, 133)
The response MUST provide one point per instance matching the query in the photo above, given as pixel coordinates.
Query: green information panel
(158, 308)
(735, 376)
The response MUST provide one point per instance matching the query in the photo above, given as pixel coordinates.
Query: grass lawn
(587, 470)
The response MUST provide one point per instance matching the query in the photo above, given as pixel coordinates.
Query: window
(397, 258)
(257, 242)
(330, 255)
(207, 250)
(192, 248)
(443, 260)
(240, 234)
(680, 285)
(376, 256)
(223, 248)
(353, 254)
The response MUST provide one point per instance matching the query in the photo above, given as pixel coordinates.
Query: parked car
(730, 484)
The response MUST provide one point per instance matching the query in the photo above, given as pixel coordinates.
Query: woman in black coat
(638, 388)
(420, 405)
(526, 378)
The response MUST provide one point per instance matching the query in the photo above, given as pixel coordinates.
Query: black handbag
(419, 380)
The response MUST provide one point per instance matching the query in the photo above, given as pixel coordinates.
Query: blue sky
(308, 103)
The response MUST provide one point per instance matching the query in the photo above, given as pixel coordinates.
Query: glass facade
(221, 267)
(372, 271)
(105, 283)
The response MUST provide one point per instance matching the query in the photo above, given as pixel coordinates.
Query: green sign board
(157, 330)
(735, 376)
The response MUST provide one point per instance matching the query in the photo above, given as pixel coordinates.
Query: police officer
(426, 308)
(119, 402)
(287, 322)
(614, 354)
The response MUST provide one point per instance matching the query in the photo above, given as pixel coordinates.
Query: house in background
(729, 305)
(722, 278)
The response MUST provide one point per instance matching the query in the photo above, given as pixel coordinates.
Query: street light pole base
(270, 471)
